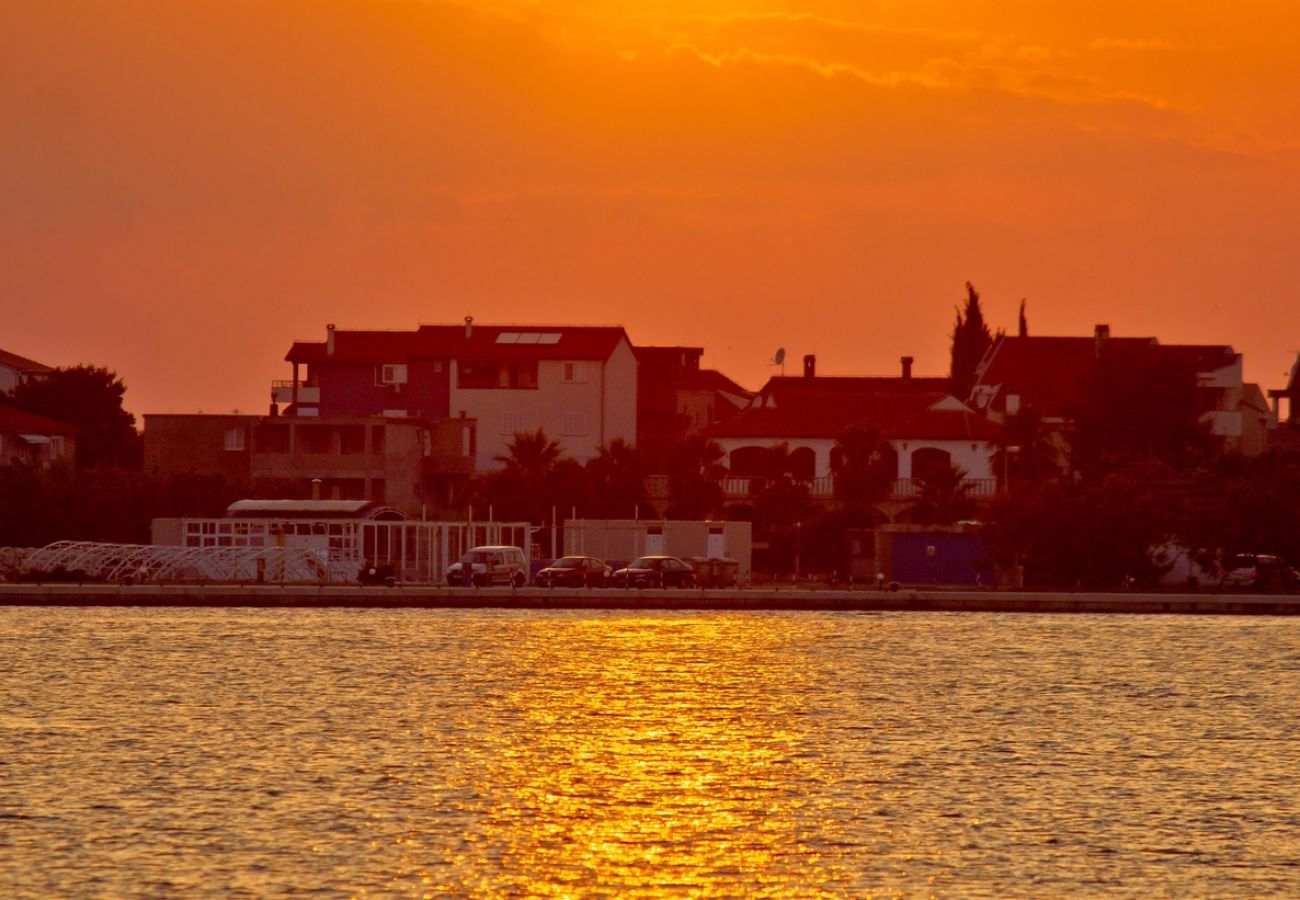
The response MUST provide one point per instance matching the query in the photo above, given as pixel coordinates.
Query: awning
(35, 438)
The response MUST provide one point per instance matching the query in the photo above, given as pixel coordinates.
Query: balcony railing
(282, 392)
(738, 487)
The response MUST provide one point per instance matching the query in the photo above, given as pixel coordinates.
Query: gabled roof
(450, 342)
(713, 380)
(1048, 373)
(19, 421)
(899, 416)
(851, 384)
(22, 363)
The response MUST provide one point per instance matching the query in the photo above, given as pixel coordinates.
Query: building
(412, 464)
(1049, 375)
(578, 384)
(675, 398)
(29, 439)
(15, 369)
(925, 430)
(619, 541)
(1287, 435)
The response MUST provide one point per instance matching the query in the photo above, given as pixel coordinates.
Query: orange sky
(185, 188)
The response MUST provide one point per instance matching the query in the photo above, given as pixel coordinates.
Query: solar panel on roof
(528, 337)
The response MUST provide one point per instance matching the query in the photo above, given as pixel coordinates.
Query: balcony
(282, 392)
(741, 488)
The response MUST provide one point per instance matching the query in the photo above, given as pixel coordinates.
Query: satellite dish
(779, 358)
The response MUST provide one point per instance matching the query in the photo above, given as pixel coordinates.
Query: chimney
(329, 338)
(810, 366)
(469, 327)
(1100, 337)
(907, 367)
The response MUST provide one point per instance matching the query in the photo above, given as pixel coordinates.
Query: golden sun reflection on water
(641, 762)
(485, 753)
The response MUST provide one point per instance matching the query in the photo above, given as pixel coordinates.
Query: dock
(791, 599)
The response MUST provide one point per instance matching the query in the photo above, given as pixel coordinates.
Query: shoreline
(436, 597)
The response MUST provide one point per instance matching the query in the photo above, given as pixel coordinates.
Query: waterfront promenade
(791, 599)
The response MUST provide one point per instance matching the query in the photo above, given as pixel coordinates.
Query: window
(392, 373)
(572, 371)
(480, 374)
(574, 423)
(513, 424)
(234, 439)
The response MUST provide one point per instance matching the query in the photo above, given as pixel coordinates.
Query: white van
(490, 565)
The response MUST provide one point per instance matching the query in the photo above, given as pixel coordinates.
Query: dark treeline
(64, 502)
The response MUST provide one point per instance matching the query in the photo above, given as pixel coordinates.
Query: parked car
(655, 571)
(485, 566)
(574, 571)
(1257, 571)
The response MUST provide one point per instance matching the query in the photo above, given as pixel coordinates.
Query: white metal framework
(281, 551)
(143, 563)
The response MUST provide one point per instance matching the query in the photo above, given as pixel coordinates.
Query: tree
(524, 489)
(1030, 453)
(971, 339)
(1095, 534)
(89, 398)
(943, 499)
(1023, 330)
(695, 474)
(863, 472)
(617, 481)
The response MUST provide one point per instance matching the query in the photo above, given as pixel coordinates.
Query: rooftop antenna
(778, 359)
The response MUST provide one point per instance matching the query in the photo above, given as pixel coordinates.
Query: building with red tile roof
(1049, 376)
(577, 383)
(15, 369)
(29, 439)
(923, 426)
(675, 398)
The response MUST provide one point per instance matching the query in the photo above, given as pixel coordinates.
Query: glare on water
(492, 753)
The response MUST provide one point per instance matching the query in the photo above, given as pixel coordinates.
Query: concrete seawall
(433, 597)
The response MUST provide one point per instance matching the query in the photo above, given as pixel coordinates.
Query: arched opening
(749, 461)
(929, 463)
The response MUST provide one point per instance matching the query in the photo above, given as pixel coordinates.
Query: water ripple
(494, 753)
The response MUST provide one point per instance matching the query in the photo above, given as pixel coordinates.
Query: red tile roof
(1048, 373)
(450, 342)
(852, 384)
(22, 363)
(19, 421)
(810, 414)
(713, 380)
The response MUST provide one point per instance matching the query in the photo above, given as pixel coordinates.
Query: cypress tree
(971, 338)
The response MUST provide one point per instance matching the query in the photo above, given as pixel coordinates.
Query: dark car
(1257, 571)
(574, 571)
(655, 571)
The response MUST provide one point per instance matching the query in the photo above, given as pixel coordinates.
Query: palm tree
(943, 499)
(616, 477)
(531, 455)
(863, 470)
(695, 473)
(524, 488)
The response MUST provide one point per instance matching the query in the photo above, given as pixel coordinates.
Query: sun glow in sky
(186, 188)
